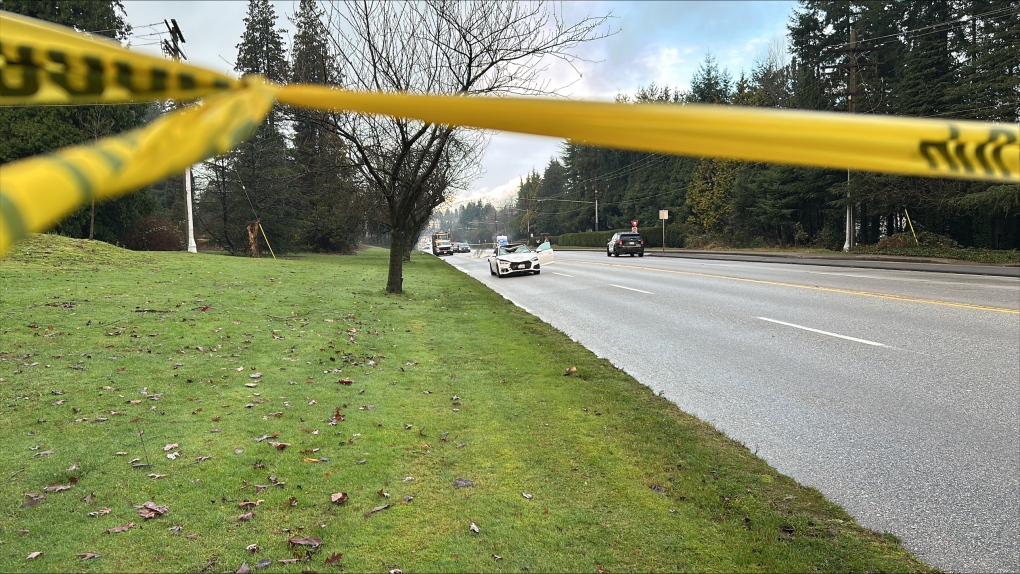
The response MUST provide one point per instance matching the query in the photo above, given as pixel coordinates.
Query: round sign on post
(633, 225)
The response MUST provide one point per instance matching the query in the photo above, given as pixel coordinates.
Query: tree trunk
(395, 281)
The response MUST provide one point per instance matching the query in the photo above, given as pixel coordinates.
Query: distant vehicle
(626, 242)
(437, 237)
(443, 247)
(502, 240)
(514, 258)
(461, 248)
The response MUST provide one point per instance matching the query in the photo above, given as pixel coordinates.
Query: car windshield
(514, 249)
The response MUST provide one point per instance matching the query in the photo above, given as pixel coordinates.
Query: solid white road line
(561, 274)
(631, 289)
(855, 339)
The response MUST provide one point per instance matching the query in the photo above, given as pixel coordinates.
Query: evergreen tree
(928, 71)
(709, 85)
(551, 192)
(527, 205)
(254, 181)
(334, 213)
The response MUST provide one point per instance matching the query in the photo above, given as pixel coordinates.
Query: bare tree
(437, 47)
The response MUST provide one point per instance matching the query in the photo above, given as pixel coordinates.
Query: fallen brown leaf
(157, 475)
(123, 528)
(170, 447)
(333, 558)
(246, 516)
(305, 541)
(249, 504)
(57, 488)
(339, 497)
(88, 555)
(32, 499)
(43, 453)
(474, 528)
(279, 445)
(34, 555)
(101, 512)
(244, 569)
(151, 510)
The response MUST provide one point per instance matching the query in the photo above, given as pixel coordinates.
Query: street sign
(663, 215)
(633, 225)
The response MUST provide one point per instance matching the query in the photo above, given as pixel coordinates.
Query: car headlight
(534, 258)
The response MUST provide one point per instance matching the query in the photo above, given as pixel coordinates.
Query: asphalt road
(893, 392)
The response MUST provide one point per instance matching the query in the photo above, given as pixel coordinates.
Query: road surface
(895, 393)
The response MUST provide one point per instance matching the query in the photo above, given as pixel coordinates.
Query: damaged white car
(518, 258)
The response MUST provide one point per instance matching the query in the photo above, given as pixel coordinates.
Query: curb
(889, 262)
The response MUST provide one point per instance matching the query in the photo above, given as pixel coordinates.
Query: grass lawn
(233, 400)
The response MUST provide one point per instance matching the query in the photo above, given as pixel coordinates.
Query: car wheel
(537, 272)
(632, 255)
(641, 254)
(498, 274)
(615, 254)
(608, 254)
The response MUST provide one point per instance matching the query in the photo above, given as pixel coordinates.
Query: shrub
(154, 234)
(924, 239)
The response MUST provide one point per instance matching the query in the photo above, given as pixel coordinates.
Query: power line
(966, 18)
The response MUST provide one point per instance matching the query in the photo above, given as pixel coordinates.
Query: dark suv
(626, 242)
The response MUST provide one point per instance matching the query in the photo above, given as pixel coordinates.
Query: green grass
(164, 344)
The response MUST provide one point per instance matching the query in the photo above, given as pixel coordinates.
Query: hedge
(652, 236)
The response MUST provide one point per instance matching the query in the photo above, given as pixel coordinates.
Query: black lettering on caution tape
(86, 74)
(957, 155)
(29, 83)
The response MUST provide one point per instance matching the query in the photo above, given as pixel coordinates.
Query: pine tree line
(955, 59)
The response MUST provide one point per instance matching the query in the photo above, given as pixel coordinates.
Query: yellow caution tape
(38, 192)
(961, 149)
(43, 63)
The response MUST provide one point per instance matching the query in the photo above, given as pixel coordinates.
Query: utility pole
(852, 67)
(173, 50)
(852, 108)
(596, 205)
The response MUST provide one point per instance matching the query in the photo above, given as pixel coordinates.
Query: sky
(653, 42)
